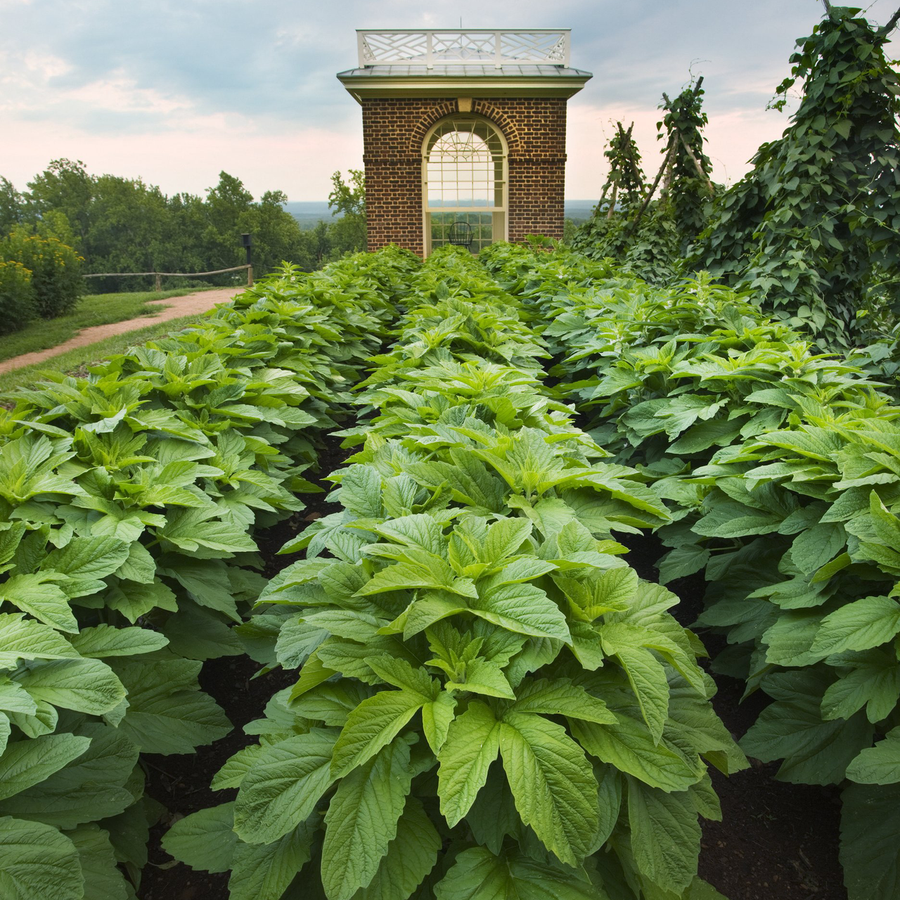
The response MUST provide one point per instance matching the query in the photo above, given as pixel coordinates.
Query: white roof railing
(463, 46)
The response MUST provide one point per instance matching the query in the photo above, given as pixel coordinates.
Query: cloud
(167, 80)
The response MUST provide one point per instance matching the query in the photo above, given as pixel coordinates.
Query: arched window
(464, 177)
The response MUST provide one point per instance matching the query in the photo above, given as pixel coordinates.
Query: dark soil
(777, 841)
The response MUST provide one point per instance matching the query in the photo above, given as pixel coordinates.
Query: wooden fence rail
(159, 275)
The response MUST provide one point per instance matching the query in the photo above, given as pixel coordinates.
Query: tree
(12, 210)
(66, 187)
(130, 227)
(348, 199)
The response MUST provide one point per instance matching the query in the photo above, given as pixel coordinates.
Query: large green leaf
(415, 531)
(479, 875)
(521, 608)
(665, 835)
(206, 580)
(39, 595)
(192, 529)
(437, 716)
(552, 783)
(103, 879)
(373, 725)
(860, 625)
(283, 786)
(29, 762)
(95, 785)
(167, 712)
(482, 677)
(879, 764)
(814, 751)
(38, 863)
(875, 684)
(204, 840)
(411, 855)
(472, 744)
(87, 557)
(24, 638)
(264, 871)
(628, 746)
(362, 821)
(85, 685)
(134, 599)
(101, 641)
(645, 672)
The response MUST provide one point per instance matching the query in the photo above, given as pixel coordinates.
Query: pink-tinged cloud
(732, 139)
(297, 160)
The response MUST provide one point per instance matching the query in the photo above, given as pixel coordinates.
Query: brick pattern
(394, 130)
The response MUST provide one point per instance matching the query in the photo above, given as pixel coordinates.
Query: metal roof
(466, 71)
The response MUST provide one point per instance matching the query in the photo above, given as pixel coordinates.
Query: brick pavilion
(464, 134)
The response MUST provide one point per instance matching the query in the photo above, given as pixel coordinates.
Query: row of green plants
(40, 277)
(780, 468)
(490, 702)
(129, 502)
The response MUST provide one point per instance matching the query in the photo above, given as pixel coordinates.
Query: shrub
(16, 296)
(55, 270)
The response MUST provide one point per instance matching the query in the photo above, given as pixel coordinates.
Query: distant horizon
(571, 200)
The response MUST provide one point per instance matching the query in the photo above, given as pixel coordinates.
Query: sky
(174, 91)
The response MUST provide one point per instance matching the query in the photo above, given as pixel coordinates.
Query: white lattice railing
(457, 47)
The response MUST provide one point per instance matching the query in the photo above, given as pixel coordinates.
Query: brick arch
(504, 123)
(481, 108)
(431, 117)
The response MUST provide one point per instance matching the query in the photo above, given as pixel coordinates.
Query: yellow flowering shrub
(56, 281)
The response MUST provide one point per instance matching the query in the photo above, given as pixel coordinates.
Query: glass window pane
(464, 183)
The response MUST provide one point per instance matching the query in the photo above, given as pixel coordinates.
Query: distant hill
(579, 210)
(308, 212)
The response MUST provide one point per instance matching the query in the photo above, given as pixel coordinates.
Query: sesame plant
(779, 467)
(490, 702)
(128, 503)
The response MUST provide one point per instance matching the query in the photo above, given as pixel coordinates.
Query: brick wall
(394, 131)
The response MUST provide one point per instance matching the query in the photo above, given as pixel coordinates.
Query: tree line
(122, 224)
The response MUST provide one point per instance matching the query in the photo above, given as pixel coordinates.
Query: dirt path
(188, 305)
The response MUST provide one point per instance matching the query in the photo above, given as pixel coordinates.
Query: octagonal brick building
(464, 134)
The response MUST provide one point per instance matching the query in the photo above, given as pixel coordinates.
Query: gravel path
(175, 308)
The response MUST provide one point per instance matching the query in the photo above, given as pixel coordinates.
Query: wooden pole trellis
(653, 187)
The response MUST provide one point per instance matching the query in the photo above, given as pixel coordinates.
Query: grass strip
(75, 362)
(92, 310)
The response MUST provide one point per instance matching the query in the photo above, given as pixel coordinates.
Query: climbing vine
(651, 235)
(813, 231)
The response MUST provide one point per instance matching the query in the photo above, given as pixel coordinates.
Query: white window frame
(499, 213)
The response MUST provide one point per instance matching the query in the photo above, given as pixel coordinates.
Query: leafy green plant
(650, 237)
(780, 470)
(489, 699)
(16, 296)
(129, 499)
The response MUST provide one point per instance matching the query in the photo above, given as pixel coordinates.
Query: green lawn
(92, 309)
(75, 362)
